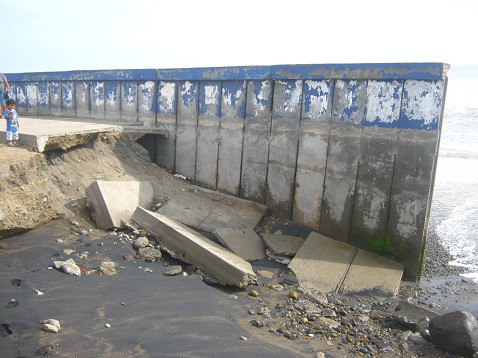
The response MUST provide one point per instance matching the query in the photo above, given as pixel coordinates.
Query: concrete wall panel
(112, 100)
(97, 99)
(129, 101)
(312, 151)
(20, 90)
(55, 98)
(43, 99)
(68, 108)
(166, 119)
(208, 132)
(233, 108)
(82, 98)
(186, 128)
(378, 150)
(255, 153)
(341, 174)
(147, 103)
(283, 147)
(412, 178)
(32, 98)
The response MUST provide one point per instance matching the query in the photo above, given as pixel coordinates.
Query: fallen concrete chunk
(113, 202)
(371, 272)
(244, 243)
(196, 249)
(328, 265)
(207, 209)
(280, 244)
(322, 263)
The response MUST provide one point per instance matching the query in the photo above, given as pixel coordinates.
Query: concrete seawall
(349, 150)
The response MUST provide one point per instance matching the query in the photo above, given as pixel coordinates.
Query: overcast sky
(63, 35)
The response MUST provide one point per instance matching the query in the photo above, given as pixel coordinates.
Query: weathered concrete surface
(255, 153)
(280, 244)
(322, 263)
(221, 210)
(192, 247)
(332, 266)
(112, 203)
(187, 121)
(244, 243)
(64, 133)
(370, 272)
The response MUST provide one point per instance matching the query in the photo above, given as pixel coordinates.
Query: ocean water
(454, 211)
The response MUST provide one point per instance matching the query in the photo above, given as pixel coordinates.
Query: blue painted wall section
(348, 149)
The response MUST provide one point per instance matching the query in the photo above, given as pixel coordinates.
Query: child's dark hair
(10, 101)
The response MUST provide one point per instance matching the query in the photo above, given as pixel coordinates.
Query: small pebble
(243, 338)
(107, 325)
(293, 295)
(254, 293)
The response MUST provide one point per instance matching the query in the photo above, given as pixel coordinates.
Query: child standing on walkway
(12, 122)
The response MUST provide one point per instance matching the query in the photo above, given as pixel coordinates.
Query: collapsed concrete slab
(371, 272)
(112, 203)
(197, 250)
(244, 243)
(207, 209)
(280, 244)
(322, 263)
(333, 266)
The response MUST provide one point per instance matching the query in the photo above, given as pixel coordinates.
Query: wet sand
(149, 314)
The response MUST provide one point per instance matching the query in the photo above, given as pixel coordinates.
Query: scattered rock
(148, 254)
(108, 268)
(12, 303)
(52, 321)
(455, 332)
(140, 242)
(254, 293)
(50, 328)
(69, 267)
(173, 270)
(128, 257)
(293, 295)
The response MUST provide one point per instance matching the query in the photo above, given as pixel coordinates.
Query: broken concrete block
(244, 243)
(207, 209)
(226, 267)
(113, 202)
(279, 244)
(328, 265)
(321, 263)
(371, 272)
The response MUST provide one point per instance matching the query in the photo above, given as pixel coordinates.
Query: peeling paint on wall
(32, 94)
(383, 103)
(167, 97)
(188, 94)
(259, 100)
(422, 104)
(146, 96)
(316, 98)
(67, 95)
(98, 91)
(211, 93)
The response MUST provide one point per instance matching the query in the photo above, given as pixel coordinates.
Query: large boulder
(455, 332)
